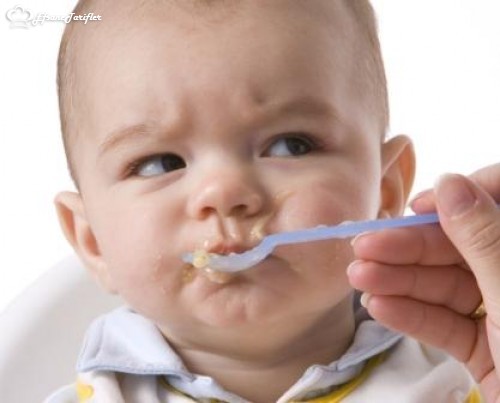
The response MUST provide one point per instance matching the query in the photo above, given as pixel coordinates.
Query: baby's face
(209, 135)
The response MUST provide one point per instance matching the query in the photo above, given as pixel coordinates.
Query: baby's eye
(290, 146)
(159, 164)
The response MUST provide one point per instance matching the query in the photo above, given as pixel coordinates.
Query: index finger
(487, 178)
(425, 245)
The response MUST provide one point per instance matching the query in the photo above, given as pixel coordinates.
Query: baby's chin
(238, 304)
(242, 300)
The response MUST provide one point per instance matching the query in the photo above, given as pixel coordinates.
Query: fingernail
(423, 201)
(365, 299)
(352, 267)
(418, 196)
(454, 195)
(359, 236)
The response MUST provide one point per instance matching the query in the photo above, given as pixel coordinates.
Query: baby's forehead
(95, 52)
(133, 13)
(160, 25)
(174, 23)
(132, 41)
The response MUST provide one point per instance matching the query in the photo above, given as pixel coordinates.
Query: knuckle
(485, 239)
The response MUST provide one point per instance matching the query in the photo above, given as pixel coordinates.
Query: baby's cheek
(320, 204)
(147, 281)
(138, 255)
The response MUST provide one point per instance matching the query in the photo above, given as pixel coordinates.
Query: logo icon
(19, 17)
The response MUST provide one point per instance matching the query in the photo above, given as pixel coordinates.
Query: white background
(443, 64)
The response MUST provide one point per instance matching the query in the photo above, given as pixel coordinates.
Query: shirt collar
(124, 341)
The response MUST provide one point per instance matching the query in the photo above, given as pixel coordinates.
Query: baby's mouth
(201, 258)
(201, 262)
(200, 265)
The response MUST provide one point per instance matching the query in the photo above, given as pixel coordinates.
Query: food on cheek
(257, 232)
(217, 276)
(188, 273)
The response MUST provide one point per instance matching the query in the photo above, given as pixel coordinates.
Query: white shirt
(126, 359)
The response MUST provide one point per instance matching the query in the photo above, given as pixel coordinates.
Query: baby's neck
(261, 370)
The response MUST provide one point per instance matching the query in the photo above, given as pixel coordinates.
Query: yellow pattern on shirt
(83, 391)
(474, 397)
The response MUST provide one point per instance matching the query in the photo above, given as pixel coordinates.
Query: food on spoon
(201, 261)
(201, 258)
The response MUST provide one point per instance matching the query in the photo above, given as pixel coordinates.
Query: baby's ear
(398, 172)
(79, 233)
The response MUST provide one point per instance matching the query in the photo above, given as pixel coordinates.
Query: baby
(205, 125)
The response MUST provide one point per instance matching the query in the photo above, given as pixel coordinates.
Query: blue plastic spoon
(235, 262)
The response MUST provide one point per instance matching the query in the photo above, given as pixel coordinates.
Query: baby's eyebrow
(309, 106)
(306, 106)
(123, 135)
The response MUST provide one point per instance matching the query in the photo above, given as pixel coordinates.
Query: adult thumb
(470, 218)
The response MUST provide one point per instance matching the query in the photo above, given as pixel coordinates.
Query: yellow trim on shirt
(333, 397)
(474, 396)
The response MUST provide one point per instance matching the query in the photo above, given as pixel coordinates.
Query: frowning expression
(204, 135)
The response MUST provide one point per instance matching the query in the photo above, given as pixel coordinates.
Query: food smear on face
(217, 276)
(257, 231)
(188, 273)
(201, 264)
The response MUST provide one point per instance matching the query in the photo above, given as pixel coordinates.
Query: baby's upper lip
(225, 248)
(235, 237)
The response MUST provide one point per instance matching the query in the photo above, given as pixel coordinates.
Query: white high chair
(42, 330)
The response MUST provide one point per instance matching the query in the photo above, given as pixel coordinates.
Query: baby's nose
(228, 193)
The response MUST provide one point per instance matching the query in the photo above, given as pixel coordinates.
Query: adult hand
(426, 281)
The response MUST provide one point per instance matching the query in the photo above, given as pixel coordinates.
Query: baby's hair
(66, 84)
(369, 67)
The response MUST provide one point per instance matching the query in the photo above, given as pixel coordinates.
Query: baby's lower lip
(217, 276)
